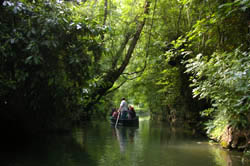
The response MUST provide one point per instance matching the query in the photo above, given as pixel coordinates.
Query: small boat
(125, 122)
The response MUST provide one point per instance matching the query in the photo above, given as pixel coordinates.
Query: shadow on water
(46, 149)
(99, 144)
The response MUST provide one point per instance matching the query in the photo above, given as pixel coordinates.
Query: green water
(99, 144)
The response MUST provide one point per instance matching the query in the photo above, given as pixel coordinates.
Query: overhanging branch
(109, 79)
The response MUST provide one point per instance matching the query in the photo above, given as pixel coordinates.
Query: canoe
(125, 122)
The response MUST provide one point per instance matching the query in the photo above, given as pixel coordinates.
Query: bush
(224, 78)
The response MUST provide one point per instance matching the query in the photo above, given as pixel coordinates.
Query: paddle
(117, 119)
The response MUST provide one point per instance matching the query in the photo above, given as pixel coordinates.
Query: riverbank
(233, 139)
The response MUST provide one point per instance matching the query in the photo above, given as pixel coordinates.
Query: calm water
(98, 144)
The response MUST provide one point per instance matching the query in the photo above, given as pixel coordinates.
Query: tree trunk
(109, 79)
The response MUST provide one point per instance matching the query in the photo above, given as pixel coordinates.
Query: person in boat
(115, 114)
(131, 112)
(112, 111)
(123, 109)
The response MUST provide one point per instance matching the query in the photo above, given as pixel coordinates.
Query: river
(99, 144)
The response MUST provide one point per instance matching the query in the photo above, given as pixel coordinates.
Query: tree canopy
(59, 58)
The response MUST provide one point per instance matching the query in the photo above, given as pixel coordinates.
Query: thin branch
(179, 21)
(114, 89)
(110, 78)
(105, 15)
(105, 12)
(121, 49)
(121, 84)
(137, 72)
(134, 40)
(148, 44)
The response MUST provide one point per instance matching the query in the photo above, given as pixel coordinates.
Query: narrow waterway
(99, 144)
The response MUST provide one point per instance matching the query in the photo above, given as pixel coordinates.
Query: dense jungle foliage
(59, 58)
(183, 60)
(198, 68)
(47, 52)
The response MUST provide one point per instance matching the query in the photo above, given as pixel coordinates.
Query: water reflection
(225, 158)
(125, 136)
(99, 144)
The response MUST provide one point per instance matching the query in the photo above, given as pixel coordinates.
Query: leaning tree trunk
(109, 79)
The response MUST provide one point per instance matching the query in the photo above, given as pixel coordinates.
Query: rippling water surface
(99, 144)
